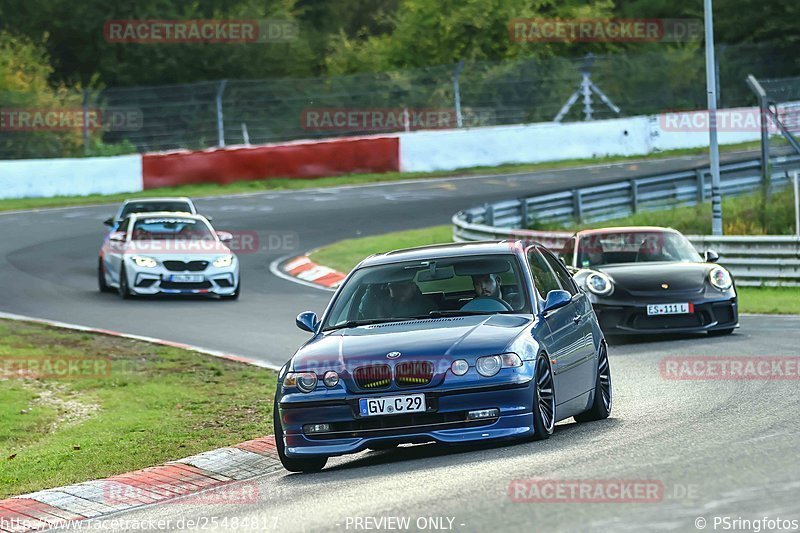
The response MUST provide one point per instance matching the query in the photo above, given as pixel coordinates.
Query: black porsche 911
(649, 280)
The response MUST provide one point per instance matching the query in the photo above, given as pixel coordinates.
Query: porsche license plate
(186, 278)
(392, 405)
(670, 309)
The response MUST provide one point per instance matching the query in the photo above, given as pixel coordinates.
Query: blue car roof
(437, 251)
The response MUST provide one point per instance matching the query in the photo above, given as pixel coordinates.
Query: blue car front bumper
(444, 421)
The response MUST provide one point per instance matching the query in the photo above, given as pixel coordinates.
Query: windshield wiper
(356, 323)
(458, 312)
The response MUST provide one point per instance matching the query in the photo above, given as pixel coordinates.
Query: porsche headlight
(305, 381)
(720, 278)
(223, 261)
(599, 284)
(143, 261)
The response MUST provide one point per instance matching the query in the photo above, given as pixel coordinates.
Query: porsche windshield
(159, 229)
(634, 247)
(422, 289)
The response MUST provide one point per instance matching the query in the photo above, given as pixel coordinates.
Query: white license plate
(392, 405)
(670, 309)
(186, 278)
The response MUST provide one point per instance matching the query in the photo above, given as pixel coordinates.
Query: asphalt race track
(725, 448)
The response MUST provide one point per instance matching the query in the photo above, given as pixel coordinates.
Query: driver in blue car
(487, 285)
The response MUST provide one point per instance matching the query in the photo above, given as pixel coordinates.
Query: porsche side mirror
(224, 236)
(556, 300)
(711, 256)
(109, 222)
(307, 321)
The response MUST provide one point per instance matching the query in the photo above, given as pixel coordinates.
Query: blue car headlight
(490, 365)
(304, 381)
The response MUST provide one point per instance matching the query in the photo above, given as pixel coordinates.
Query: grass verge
(130, 405)
(344, 255)
(242, 187)
(741, 215)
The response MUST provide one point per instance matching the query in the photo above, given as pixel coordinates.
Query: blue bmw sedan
(452, 343)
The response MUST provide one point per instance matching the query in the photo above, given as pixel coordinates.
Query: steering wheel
(486, 303)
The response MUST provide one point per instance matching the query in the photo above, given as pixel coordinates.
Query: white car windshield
(169, 228)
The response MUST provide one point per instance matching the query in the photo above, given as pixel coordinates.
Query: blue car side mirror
(556, 300)
(307, 321)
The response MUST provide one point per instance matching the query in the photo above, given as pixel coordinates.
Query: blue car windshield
(422, 289)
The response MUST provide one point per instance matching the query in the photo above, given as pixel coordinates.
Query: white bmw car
(168, 252)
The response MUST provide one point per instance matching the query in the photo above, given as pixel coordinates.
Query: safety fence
(754, 260)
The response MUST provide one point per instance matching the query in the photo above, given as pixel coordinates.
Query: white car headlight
(599, 284)
(223, 261)
(144, 261)
(720, 278)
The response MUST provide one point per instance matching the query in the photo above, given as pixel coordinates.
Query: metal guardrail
(753, 260)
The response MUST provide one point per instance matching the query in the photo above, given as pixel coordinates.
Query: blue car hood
(450, 338)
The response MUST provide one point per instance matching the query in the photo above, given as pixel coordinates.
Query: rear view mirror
(109, 221)
(711, 256)
(224, 236)
(556, 300)
(307, 321)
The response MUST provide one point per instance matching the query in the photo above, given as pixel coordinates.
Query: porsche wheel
(544, 399)
(603, 391)
(312, 464)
